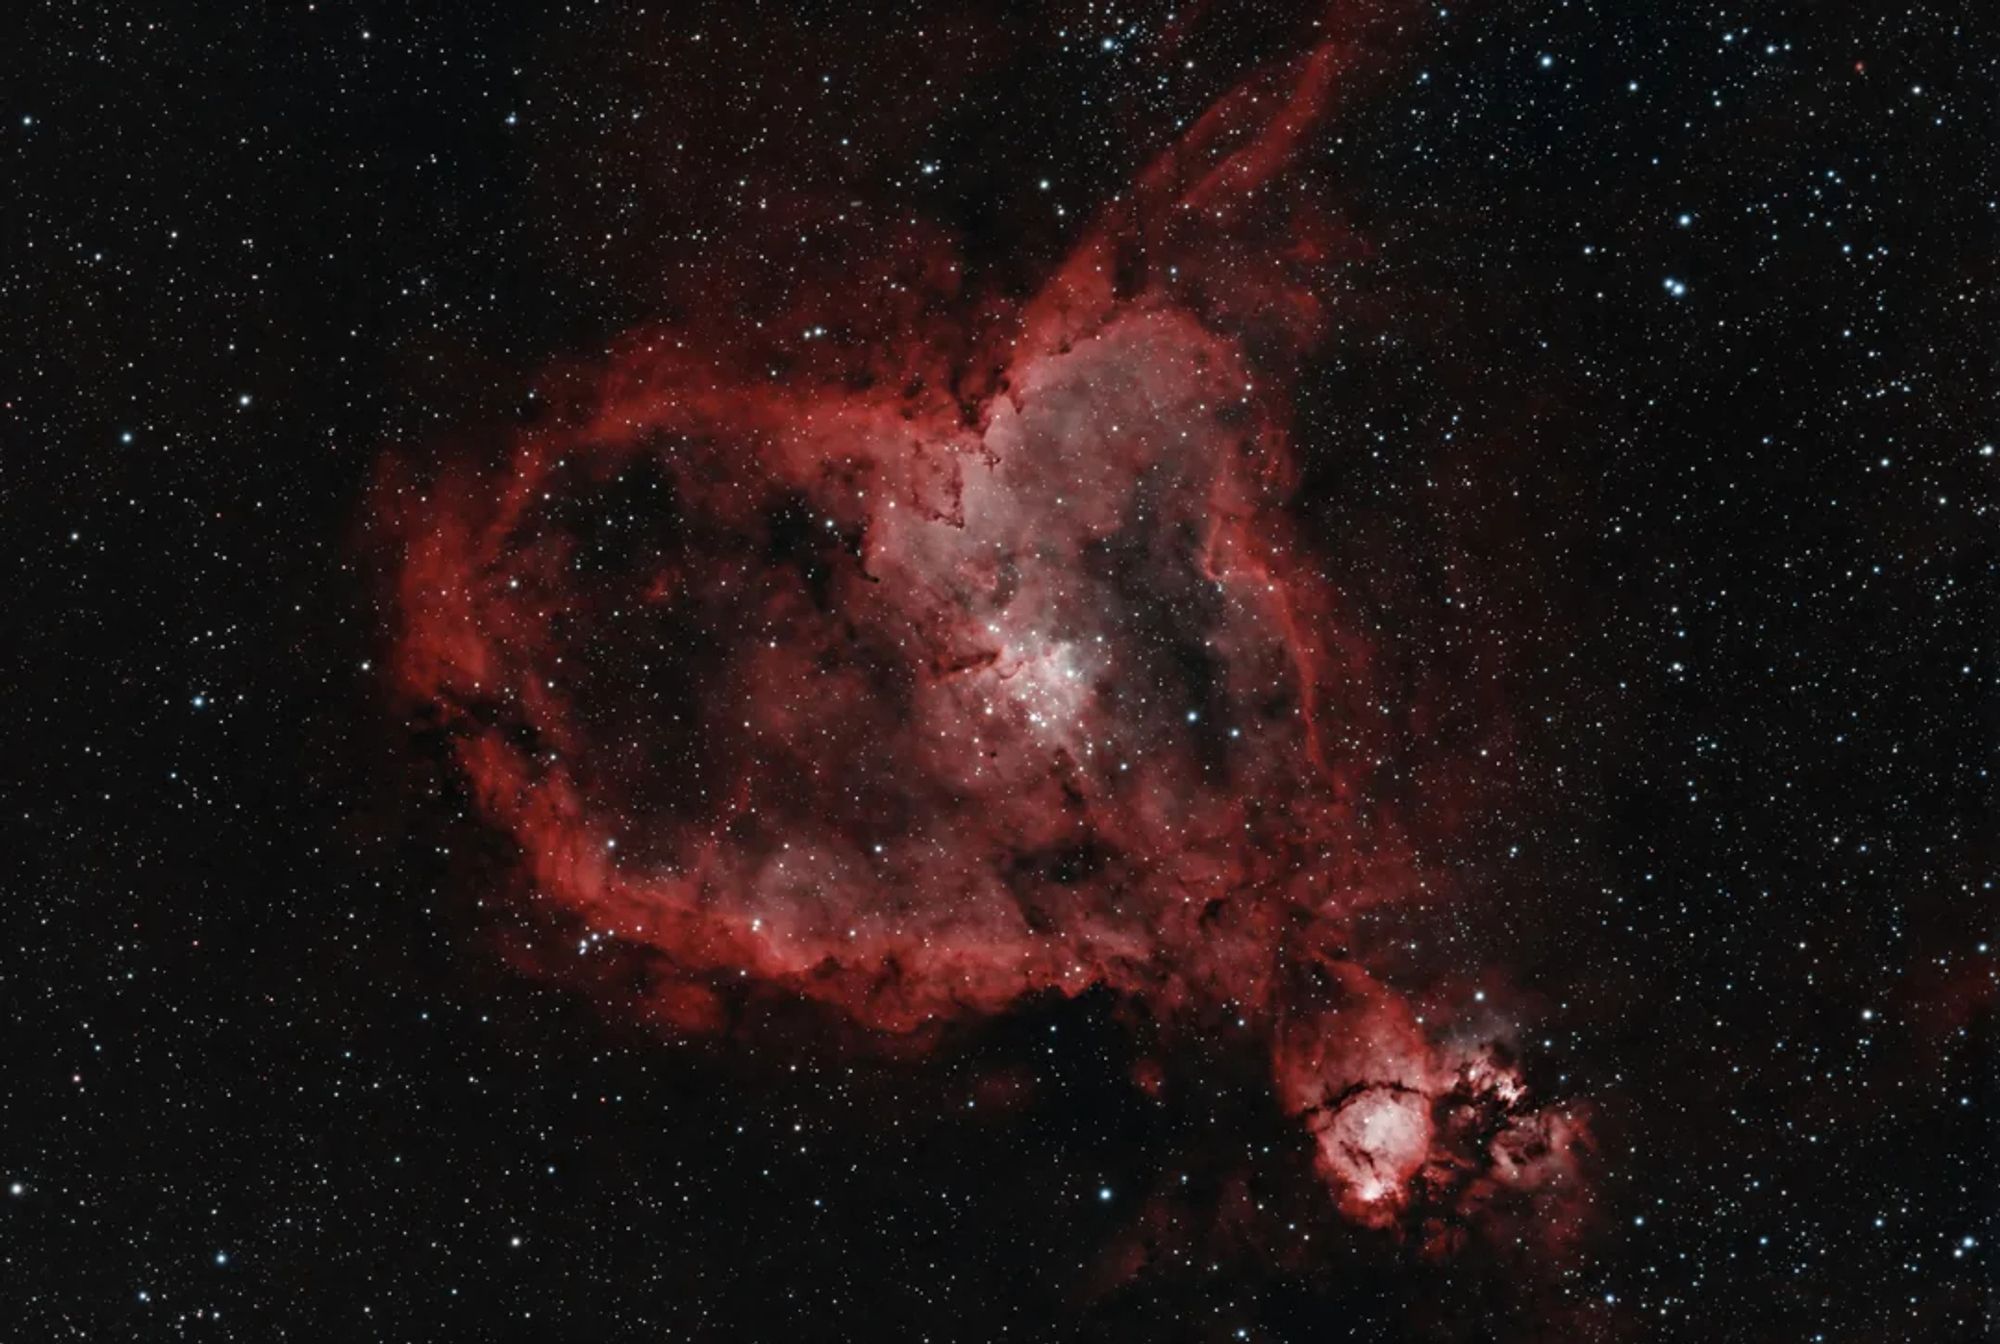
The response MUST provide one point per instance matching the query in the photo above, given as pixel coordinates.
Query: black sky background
(1722, 560)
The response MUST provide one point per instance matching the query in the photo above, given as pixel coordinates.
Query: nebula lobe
(912, 679)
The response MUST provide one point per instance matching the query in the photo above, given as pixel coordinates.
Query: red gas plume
(913, 672)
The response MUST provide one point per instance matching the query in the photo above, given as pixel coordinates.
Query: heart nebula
(981, 656)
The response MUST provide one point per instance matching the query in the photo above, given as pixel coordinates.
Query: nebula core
(912, 665)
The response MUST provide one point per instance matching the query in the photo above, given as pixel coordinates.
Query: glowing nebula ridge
(915, 672)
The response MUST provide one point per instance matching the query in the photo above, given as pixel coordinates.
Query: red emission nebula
(912, 676)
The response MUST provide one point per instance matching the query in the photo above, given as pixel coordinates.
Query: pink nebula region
(976, 651)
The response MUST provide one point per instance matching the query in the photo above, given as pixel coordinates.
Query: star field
(1385, 731)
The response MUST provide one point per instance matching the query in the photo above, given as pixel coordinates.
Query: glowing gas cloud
(912, 677)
